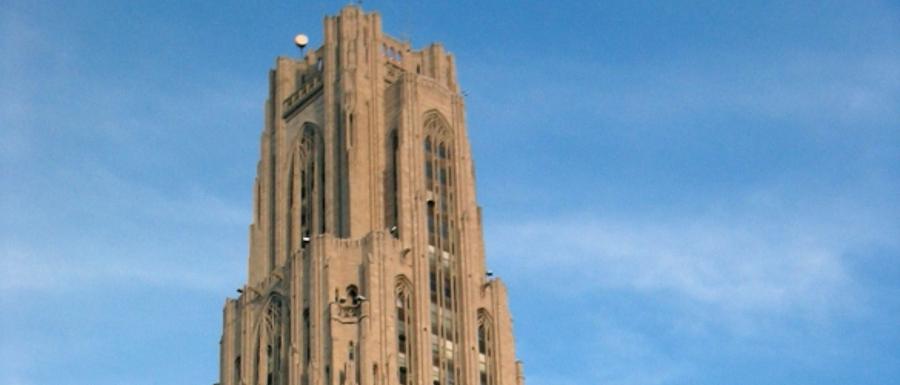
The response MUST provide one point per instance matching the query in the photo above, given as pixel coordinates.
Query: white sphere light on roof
(301, 40)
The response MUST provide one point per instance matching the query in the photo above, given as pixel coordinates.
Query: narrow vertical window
(392, 182)
(310, 165)
(306, 336)
(350, 131)
(237, 370)
(258, 199)
(405, 331)
(289, 213)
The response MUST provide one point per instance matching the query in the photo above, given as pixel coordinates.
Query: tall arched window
(271, 366)
(405, 331)
(442, 249)
(308, 174)
(307, 180)
(485, 349)
(439, 173)
(310, 217)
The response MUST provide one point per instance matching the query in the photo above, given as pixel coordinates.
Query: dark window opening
(237, 369)
(307, 335)
(353, 294)
(352, 349)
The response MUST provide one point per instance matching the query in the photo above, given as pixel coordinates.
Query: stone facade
(366, 257)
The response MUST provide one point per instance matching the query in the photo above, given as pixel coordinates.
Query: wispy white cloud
(799, 87)
(21, 44)
(115, 243)
(622, 349)
(650, 292)
(110, 223)
(816, 90)
(101, 190)
(612, 350)
(43, 271)
(762, 257)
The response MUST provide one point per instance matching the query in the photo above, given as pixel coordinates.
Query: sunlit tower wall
(366, 262)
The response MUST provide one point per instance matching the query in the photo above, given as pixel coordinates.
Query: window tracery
(442, 249)
(272, 342)
(485, 348)
(405, 331)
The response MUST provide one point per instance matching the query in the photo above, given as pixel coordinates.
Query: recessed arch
(440, 224)
(308, 169)
(405, 328)
(436, 125)
(486, 345)
(271, 326)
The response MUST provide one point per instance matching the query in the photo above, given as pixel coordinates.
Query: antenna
(301, 41)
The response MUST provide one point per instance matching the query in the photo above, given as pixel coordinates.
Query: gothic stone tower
(366, 261)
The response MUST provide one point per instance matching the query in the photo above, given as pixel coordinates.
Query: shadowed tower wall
(366, 260)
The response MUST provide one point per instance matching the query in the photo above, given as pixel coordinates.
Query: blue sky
(675, 192)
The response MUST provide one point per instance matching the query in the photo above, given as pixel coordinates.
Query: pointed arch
(405, 330)
(309, 176)
(272, 341)
(436, 124)
(486, 348)
(443, 241)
